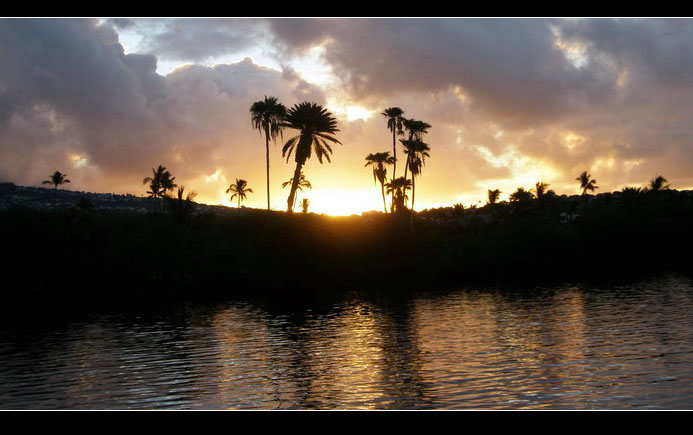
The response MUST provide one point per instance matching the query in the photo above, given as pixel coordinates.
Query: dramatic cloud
(512, 102)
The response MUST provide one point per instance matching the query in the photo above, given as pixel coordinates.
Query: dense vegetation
(79, 254)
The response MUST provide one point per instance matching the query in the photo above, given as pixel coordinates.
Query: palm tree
(57, 178)
(416, 131)
(521, 196)
(658, 183)
(159, 183)
(398, 188)
(267, 117)
(304, 205)
(493, 196)
(302, 182)
(416, 151)
(395, 123)
(182, 205)
(317, 127)
(378, 161)
(240, 190)
(587, 183)
(542, 191)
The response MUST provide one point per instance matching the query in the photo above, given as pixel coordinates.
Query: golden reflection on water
(551, 348)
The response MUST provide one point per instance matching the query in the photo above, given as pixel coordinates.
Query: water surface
(571, 347)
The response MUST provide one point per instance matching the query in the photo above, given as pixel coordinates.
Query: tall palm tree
(416, 151)
(658, 183)
(267, 117)
(378, 161)
(395, 123)
(240, 190)
(398, 188)
(317, 127)
(416, 131)
(56, 179)
(160, 183)
(587, 183)
(493, 196)
(302, 182)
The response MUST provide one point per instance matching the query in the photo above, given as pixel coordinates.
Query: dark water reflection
(568, 347)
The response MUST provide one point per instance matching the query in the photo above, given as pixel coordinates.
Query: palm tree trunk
(239, 202)
(267, 158)
(294, 186)
(394, 154)
(413, 191)
(382, 191)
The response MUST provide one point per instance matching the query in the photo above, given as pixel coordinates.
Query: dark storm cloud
(68, 91)
(510, 68)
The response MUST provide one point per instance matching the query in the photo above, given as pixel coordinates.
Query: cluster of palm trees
(316, 134)
(416, 152)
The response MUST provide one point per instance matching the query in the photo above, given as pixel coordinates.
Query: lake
(569, 347)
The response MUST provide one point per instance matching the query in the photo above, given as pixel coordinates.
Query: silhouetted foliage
(378, 162)
(658, 183)
(160, 183)
(267, 116)
(492, 196)
(239, 190)
(305, 203)
(317, 127)
(57, 179)
(587, 183)
(398, 189)
(395, 123)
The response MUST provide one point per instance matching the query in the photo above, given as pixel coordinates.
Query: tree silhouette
(416, 151)
(317, 127)
(493, 196)
(658, 183)
(542, 191)
(240, 190)
(398, 188)
(302, 182)
(395, 123)
(378, 161)
(182, 205)
(587, 183)
(521, 196)
(416, 131)
(304, 205)
(56, 179)
(267, 117)
(160, 183)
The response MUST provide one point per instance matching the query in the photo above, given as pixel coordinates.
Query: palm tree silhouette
(317, 127)
(587, 183)
(56, 179)
(304, 205)
(240, 190)
(398, 188)
(521, 196)
(542, 190)
(395, 123)
(658, 183)
(416, 131)
(267, 117)
(493, 196)
(378, 161)
(159, 183)
(183, 204)
(302, 182)
(416, 151)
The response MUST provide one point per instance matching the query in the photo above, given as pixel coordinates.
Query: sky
(511, 102)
